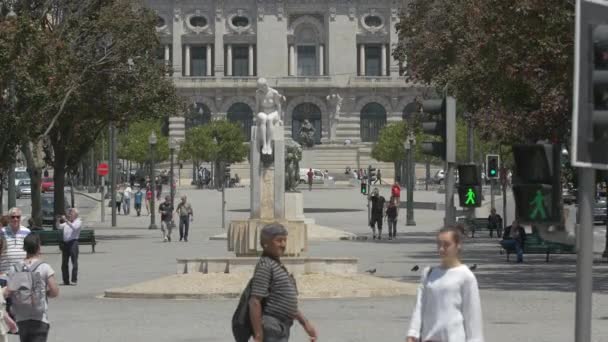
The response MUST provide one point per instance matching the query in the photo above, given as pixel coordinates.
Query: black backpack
(241, 324)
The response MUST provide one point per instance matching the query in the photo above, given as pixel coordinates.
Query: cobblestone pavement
(529, 302)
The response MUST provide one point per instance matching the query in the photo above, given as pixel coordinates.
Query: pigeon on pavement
(415, 268)
(473, 268)
(372, 271)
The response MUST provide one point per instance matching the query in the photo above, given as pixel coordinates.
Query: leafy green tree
(83, 64)
(133, 142)
(218, 141)
(508, 62)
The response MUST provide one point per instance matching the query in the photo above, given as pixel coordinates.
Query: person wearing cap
(276, 287)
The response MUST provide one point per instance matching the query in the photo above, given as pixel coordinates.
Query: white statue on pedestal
(335, 102)
(268, 109)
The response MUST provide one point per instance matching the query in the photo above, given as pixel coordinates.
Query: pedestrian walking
(138, 197)
(6, 322)
(148, 199)
(14, 234)
(273, 303)
(184, 210)
(448, 307)
(119, 196)
(71, 226)
(378, 177)
(126, 206)
(392, 212)
(166, 218)
(396, 192)
(310, 175)
(377, 214)
(29, 286)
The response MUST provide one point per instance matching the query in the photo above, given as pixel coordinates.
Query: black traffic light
(469, 187)
(590, 117)
(442, 124)
(492, 166)
(537, 183)
(371, 174)
(363, 187)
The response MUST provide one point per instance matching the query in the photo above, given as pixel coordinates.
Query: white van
(318, 177)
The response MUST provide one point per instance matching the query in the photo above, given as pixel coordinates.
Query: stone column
(383, 60)
(229, 60)
(292, 60)
(321, 60)
(209, 65)
(251, 61)
(178, 26)
(187, 64)
(254, 160)
(362, 59)
(279, 172)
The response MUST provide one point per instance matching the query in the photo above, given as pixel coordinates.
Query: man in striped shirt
(14, 234)
(274, 296)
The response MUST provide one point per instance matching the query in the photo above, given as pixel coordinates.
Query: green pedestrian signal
(470, 197)
(538, 204)
(363, 188)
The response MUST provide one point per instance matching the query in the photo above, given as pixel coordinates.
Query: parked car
(47, 185)
(600, 210)
(318, 177)
(48, 209)
(24, 188)
(20, 174)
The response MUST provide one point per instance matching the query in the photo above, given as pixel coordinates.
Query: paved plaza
(529, 302)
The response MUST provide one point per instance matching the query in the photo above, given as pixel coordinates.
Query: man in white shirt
(126, 207)
(69, 250)
(14, 234)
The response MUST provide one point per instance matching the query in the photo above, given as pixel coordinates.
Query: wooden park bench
(55, 237)
(477, 224)
(536, 245)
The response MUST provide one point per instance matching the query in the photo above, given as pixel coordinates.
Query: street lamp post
(172, 146)
(12, 200)
(152, 140)
(410, 180)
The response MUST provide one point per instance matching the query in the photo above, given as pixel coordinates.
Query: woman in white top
(447, 308)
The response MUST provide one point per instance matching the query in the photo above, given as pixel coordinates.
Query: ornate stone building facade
(331, 59)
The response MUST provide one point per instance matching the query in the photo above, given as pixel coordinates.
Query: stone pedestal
(267, 202)
(244, 236)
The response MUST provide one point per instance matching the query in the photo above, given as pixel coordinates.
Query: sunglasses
(15, 217)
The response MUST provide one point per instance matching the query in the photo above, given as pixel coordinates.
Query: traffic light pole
(450, 218)
(492, 181)
(584, 260)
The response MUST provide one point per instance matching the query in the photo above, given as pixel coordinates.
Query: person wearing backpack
(269, 304)
(29, 285)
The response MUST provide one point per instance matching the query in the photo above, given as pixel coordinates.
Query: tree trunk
(35, 162)
(59, 177)
(1, 193)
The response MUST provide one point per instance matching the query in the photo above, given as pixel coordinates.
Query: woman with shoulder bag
(448, 308)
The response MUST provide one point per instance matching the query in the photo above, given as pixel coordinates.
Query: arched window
(199, 115)
(241, 114)
(373, 119)
(306, 111)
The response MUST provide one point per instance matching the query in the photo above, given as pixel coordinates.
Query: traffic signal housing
(469, 187)
(363, 188)
(492, 166)
(443, 125)
(590, 112)
(371, 174)
(537, 183)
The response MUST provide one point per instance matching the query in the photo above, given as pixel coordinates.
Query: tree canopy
(509, 62)
(216, 141)
(133, 142)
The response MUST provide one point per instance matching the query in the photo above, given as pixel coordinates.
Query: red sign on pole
(103, 169)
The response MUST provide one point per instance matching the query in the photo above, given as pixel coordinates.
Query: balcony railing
(291, 81)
